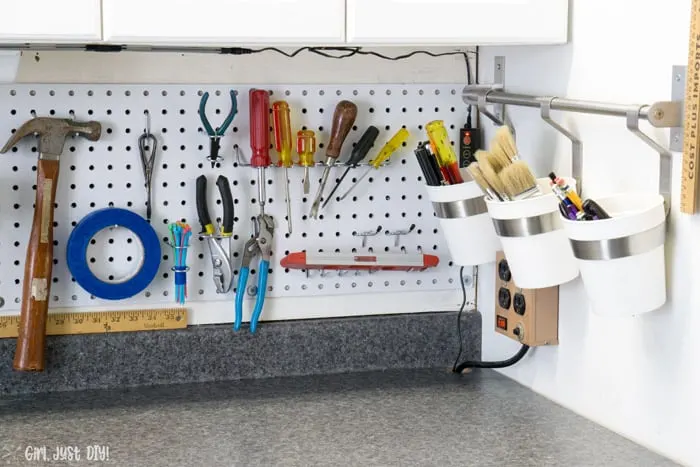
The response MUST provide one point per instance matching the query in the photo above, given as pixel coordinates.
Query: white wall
(637, 376)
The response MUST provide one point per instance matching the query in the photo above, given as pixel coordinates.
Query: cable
(473, 364)
(459, 318)
(502, 364)
(348, 52)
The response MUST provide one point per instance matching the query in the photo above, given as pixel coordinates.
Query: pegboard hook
(147, 116)
(397, 234)
(576, 144)
(665, 157)
(364, 235)
(239, 160)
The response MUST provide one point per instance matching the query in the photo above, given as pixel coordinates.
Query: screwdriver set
(376, 182)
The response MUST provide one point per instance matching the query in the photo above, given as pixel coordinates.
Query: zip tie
(180, 234)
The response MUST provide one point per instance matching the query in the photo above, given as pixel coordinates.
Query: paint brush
(519, 182)
(484, 160)
(480, 180)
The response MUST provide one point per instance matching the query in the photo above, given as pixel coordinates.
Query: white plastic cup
(622, 259)
(465, 223)
(537, 249)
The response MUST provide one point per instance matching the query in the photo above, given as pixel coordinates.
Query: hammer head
(52, 133)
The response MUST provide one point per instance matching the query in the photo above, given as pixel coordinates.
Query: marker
(571, 194)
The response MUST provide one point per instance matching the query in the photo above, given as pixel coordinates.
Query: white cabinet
(50, 21)
(457, 22)
(221, 22)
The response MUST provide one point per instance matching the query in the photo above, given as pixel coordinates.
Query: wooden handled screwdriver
(343, 119)
(283, 145)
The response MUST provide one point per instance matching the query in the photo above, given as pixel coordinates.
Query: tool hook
(665, 157)
(364, 235)
(576, 144)
(147, 149)
(397, 234)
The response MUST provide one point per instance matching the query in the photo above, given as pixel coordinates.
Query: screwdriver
(260, 139)
(359, 152)
(283, 145)
(343, 119)
(306, 148)
(385, 153)
(445, 154)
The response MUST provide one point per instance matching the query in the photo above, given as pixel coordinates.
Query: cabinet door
(457, 22)
(50, 21)
(220, 22)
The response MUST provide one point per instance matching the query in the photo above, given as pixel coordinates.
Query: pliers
(215, 135)
(220, 258)
(260, 244)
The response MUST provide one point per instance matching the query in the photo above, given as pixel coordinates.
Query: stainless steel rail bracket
(677, 94)
(665, 157)
(576, 144)
(497, 116)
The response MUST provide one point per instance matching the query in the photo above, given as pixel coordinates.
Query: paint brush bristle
(483, 158)
(505, 140)
(480, 180)
(518, 181)
(498, 158)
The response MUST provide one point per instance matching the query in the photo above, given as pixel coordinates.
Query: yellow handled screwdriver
(306, 148)
(445, 154)
(283, 145)
(384, 154)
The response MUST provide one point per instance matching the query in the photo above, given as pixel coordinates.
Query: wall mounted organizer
(629, 247)
(663, 114)
(108, 173)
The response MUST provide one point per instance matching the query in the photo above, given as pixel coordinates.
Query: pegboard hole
(106, 250)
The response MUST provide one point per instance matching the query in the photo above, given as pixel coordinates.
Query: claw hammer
(36, 288)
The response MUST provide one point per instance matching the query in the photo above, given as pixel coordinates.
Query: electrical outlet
(529, 316)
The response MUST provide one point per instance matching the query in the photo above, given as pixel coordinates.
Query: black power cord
(459, 318)
(459, 368)
(347, 52)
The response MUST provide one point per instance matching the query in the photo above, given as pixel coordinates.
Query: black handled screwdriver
(359, 152)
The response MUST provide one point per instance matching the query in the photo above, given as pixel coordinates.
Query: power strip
(529, 316)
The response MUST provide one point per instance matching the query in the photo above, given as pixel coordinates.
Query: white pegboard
(108, 172)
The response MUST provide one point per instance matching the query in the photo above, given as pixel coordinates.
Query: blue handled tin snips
(260, 244)
(215, 135)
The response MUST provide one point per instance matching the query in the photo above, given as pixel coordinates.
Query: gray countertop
(397, 417)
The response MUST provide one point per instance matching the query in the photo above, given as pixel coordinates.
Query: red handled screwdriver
(260, 139)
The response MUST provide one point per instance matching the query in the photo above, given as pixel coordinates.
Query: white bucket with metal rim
(465, 223)
(622, 259)
(538, 251)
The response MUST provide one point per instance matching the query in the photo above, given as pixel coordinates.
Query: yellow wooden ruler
(103, 322)
(691, 135)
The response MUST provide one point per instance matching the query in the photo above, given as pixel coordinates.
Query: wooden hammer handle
(36, 290)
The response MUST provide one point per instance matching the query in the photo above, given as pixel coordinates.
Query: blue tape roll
(76, 252)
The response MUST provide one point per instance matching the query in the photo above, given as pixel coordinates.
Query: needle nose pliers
(220, 257)
(260, 244)
(216, 134)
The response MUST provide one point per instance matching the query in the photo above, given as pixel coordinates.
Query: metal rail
(664, 114)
